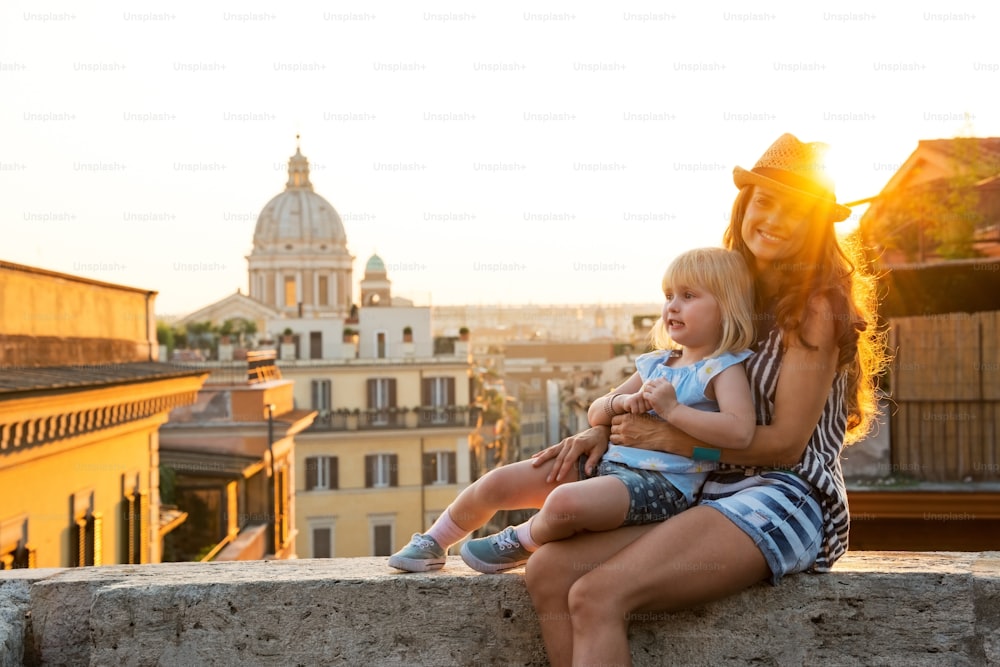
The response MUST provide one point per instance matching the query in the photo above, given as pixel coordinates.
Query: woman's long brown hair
(835, 269)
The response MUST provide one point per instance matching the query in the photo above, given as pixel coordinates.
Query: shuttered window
(437, 392)
(321, 395)
(381, 470)
(439, 468)
(87, 545)
(135, 536)
(15, 552)
(381, 393)
(321, 473)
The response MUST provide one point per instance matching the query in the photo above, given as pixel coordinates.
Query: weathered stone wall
(875, 609)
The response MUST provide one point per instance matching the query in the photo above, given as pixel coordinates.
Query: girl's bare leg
(518, 485)
(599, 503)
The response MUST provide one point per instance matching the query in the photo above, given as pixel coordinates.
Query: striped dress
(820, 463)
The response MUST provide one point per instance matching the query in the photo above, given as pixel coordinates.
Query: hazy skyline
(488, 153)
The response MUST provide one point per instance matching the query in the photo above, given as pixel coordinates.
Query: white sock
(524, 536)
(445, 531)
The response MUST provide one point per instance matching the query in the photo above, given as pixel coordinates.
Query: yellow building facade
(369, 474)
(82, 397)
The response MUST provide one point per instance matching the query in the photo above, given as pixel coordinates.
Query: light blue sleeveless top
(689, 382)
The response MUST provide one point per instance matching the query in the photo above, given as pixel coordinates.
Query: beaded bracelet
(609, 406)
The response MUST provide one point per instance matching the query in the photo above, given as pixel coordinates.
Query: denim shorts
(651, 497)
(778, 510)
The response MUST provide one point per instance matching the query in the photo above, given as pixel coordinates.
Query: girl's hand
(635, 403)
(661, 395)
(593, 443)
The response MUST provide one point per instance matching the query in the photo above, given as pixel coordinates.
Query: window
(439, 468)
(381, 397)
(86, 531)
(135, 537)
(322, 541)
(437, 394)
(321, 395)
(381, 528)
(15, 552)
(86, 536)
(315, 344)
(381, 393)
(380, 345)
(324, 291)
(381, 470)
(290, 291)
(321, 473)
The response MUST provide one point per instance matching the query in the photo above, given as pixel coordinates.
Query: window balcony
(442, 415)
(375, 418)
(425, 416)
(330, 420)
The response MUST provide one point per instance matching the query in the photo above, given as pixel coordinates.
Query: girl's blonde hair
(724, 274)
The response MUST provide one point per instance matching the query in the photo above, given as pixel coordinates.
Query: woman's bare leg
(693, 558)
(555, 567)
(585, 588)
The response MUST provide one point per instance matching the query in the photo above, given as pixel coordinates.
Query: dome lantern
(298, 170)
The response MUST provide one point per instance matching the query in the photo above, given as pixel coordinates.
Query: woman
(777, 507)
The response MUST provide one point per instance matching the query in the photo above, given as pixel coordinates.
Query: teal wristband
(706, 454)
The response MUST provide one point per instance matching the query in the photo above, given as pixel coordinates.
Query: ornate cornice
(39, 419)
(20, 434)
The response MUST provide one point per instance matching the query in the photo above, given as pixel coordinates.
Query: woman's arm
(731, 427)
(804, 384)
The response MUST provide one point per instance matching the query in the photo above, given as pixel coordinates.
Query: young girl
(694, 381)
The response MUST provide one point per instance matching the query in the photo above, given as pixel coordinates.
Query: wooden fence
(945, 383)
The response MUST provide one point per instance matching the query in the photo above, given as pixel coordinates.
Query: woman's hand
(591, 443)
(642, 432)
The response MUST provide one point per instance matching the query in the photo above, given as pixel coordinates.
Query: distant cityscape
(292, 422)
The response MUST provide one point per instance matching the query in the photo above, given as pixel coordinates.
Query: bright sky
(489, 152)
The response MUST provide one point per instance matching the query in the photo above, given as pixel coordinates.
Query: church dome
(375, 265)
(298, 217)
(300, 265)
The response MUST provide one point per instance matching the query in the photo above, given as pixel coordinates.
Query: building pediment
(237, 305)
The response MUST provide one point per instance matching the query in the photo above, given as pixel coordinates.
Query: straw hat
(796, 168)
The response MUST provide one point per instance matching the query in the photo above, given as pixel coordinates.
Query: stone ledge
(906, 609)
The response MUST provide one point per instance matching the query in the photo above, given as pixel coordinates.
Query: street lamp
(273, 527)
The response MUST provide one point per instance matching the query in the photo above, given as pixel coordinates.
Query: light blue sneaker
(423, 553)
(495, 553)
